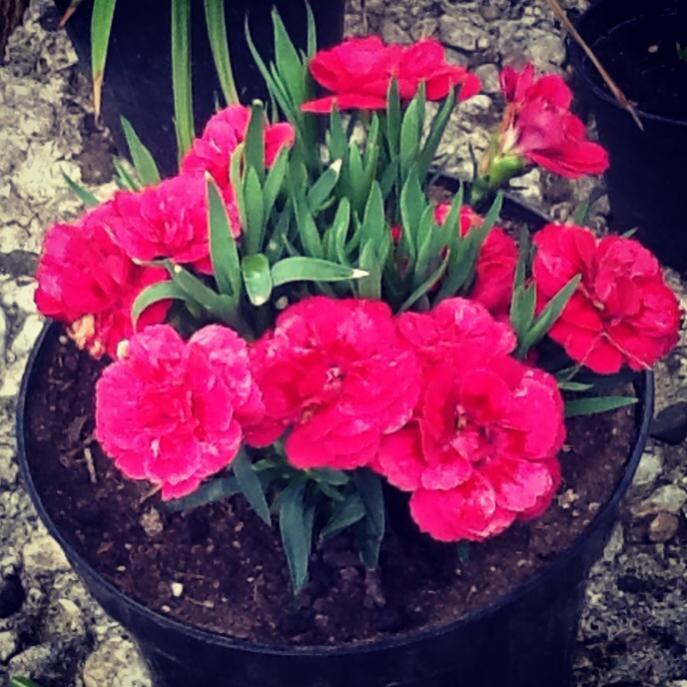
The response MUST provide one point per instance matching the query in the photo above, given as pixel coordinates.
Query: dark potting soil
(219, 567)
(647, 56)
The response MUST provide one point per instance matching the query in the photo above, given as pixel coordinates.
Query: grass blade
(101, 28)
(181, 74)
(251, 487)
(600, 404)
(223, 250)
(86, 197)
(143, 160)
(216, 20)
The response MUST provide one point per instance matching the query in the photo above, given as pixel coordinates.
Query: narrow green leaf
(548, 316)
(210, 492)
(23, 682)
(101, 28)
(86, 197)
(217, 33)
(338, 145)
(371, 530)
(181, 75)
(336, 477)
(574, 386)
(254, 142)
(581, 214)
(413, 206)
(251, 487)
(143, 160)
(374, 220)
(257, 278)
(436, 133)
(339, 229)
(213, 303)
(307, 230)
(223, 250)
(254, 210)
(161, 291)
(320, 191)
(296, 536)
(425, 287)
(346, 514)
(600, 404)
(393, 119)
(123, 177)
(411, 131)
(311, 40)
(290, 68)
(312, 269)
(275, 181)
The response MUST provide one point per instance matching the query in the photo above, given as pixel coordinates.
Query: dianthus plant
(303, 317)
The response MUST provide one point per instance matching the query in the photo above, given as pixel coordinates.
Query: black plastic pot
(525, 639)
(138, 78)
(647, 172)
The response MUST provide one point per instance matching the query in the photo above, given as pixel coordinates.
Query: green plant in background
(101, 29)
(22, 682)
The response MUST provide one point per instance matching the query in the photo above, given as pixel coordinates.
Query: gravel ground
(633, 632)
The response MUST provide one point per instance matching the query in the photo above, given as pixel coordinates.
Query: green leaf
(123, 178)
(411, 131)
(599, 404)
(143, 160)
(307, 230)
(254, 211)
(338, 145)
(522, 309)
(548, 316)
(320, 191)
(181, 75)
(251, 487)
(295, 526)
(336, 477)
(161, 291)
(393, 119)
(288, 63)
(581, 214)
(86, 197)
(254, 142)
(257, 278)
(275, 181)
(425, 287)
(311, 40)
(347, 513)
(101, 28)
(223, 250)
(220, 307)
(312, 269)
(217, 34)
(214, 490)
(436, 133)
(370, 531)
(574, 386)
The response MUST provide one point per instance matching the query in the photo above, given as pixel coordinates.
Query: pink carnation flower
(482, 451)
(496, 262)
(339, 375)
(481, 448)
(223, 132)
(622, 313)
(168, 221)
(172, 412)
(87, 281)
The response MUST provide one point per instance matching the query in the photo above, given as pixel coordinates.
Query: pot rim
(644, 386)
(583, 67)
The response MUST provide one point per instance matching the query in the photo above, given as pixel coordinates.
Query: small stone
(670, 425)
(668, 498)
(38, 662)
(63, 622)
(11, 596)
(177, 589)
(43, 555)
(461, 33)
(116, 662)
(615, 544)
(393, 33)
(649, 468)
(151, 522)
(489, 76)
(9, 643)
(663, 527)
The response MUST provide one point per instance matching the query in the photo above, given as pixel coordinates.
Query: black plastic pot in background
(646, 179)
(138, 76)
(525, 639)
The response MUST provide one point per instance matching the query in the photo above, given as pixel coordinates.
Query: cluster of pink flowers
(435, 402)
(359, 71)
(91, 271)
